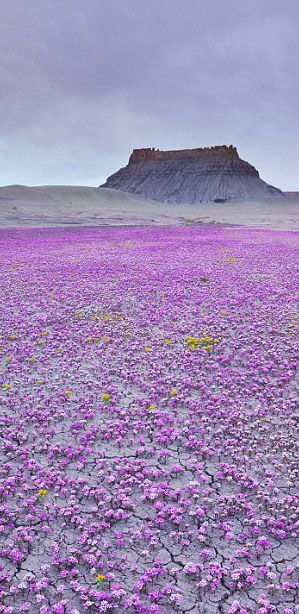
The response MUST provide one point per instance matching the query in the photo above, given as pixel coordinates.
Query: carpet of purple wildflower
(147, 407)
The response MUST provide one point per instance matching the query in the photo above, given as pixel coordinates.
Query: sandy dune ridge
(25, 206)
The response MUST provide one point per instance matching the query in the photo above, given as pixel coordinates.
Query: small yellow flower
(148, 349)
(151, 407)
(223, 313)
(173, 392)
(89, 339)
(32, 358)
(68, 393)
(44, 333)
(105, 397)
(7, 386)
(168, 341)
(12, 337)
(192, 342)
(59, 349)
(105, 338)
(262, 419)
(38, 381)
(100, 578)
(42, 492)
(40, 342)
(8, 358)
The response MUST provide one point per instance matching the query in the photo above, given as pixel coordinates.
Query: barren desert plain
(24, 206)
(148, 404)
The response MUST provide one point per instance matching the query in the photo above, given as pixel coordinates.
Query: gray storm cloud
(82, 82)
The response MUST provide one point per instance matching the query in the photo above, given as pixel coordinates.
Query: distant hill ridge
(195, 175)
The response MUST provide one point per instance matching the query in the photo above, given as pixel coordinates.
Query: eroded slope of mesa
(191, 176)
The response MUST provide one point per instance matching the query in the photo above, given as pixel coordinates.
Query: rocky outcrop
(191, 176)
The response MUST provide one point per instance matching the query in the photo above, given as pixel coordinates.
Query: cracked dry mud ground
(148, 427)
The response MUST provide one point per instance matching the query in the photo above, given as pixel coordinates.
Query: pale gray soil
(23, 206)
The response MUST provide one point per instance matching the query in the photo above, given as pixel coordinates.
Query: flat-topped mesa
(191, 176)
(150, 153)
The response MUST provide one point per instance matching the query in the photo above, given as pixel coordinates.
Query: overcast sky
(83, 82)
